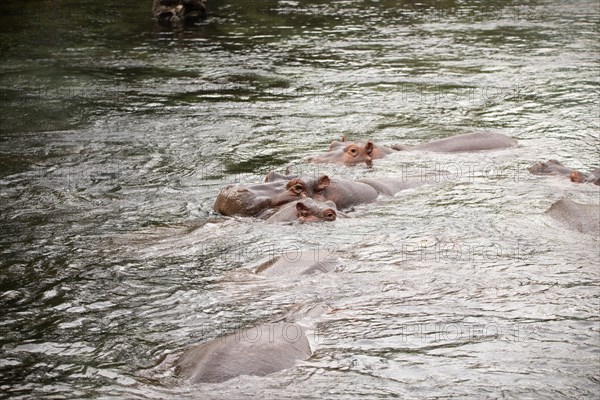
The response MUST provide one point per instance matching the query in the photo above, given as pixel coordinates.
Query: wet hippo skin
(584, 218)
(353, 153)
(469, 142)
(258, 351)
(346, 193)
(302, 262)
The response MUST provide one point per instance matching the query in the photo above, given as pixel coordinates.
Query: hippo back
(258, 351)
(584, 218)
(468, 142)
(550, 167)
(303, 262)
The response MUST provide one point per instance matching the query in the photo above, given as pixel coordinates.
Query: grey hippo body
(353, 153)
(258, 351)
(465, 143)
(584, 218)
(345, 193)
(556, 168)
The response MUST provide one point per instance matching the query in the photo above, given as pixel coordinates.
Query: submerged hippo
(584, 218)
(262, 200)
(299, 263)
(553, 167)
(346, 193)
(305, 210)
(353, 153)
(259, 351)
(178, 12)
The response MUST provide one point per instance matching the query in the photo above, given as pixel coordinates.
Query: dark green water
(115, 137)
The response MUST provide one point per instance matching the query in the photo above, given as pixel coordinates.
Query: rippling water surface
(116, 137)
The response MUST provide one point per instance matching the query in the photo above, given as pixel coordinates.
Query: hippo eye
(353, 151)
(330, 215)
(297, 188)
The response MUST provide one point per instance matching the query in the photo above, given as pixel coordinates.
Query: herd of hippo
(273, 346)
(290, 197)
(265, 200)
(277, 345)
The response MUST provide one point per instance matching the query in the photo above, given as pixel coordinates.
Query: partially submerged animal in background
(178, 12)
(258, 351)
(584, 218)
(553, 167)
(353, 153)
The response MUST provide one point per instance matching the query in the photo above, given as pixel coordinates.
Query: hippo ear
(343, 138)
(369, 147)
(322, 183)
(302, 209)
(576, 176)
(273, 176)
(330, 204)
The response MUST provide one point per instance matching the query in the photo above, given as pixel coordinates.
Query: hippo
(346, 193)
(465, 143)
(353, 153)
(305, 210)
(300, 263)
(554, 167)
(257, 200)
(584, 218)
(178, 12)
(263, 200)
(343, 193)
(258, 351)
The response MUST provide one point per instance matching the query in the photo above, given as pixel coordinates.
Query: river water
(116, 137)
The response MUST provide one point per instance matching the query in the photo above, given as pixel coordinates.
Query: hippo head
(194, 10)
(550, 167)
(258, 200)
(252, 200)
(176, 12)
(312, 211)
(309, 187)
(347, 153)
